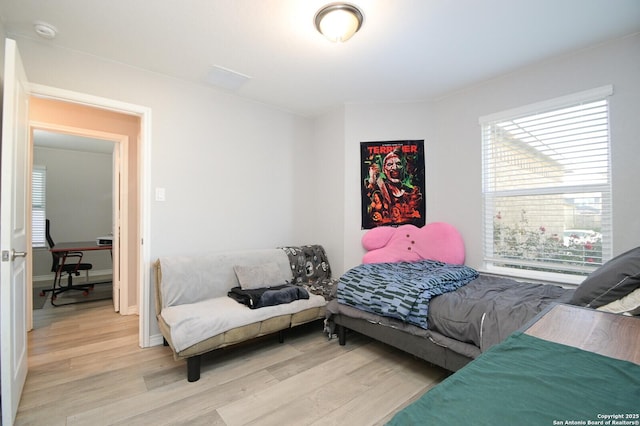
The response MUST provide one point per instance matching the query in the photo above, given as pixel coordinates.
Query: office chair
(69, 263)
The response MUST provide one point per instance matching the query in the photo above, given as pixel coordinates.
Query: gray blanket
(488, 309)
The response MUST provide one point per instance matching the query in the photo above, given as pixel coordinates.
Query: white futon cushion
(194, 322)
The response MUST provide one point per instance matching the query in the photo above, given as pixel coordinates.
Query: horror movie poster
(392, 183)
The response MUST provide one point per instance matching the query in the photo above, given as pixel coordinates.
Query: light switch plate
(160, 194)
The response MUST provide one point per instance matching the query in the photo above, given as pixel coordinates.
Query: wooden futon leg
(193, 368)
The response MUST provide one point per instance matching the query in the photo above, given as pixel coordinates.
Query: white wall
(79, 201)
(235, 171)
(227, 163)
(453, 145)
(323, 215)
(2, 37)
(383, 122)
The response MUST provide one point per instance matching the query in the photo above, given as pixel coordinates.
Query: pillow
(308, 262)
(629, 304)
(408, 243)
(259, 276)
(612, 281)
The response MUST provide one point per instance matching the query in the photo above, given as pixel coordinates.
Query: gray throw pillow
(259, 276)
(612, 281)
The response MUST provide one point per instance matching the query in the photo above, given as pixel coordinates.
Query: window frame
(489, 194)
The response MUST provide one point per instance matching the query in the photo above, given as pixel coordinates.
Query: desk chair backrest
(67, 262)
(55, 256)
(47, 227)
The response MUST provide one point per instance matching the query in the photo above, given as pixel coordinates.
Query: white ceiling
(406, 50)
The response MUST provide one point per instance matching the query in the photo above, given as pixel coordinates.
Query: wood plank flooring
(85, 368)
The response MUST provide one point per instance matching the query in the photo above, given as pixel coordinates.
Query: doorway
(81, 171)
(127, 126)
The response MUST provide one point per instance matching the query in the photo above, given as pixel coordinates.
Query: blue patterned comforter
(401, 290)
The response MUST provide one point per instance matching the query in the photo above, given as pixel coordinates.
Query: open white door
(14, 233)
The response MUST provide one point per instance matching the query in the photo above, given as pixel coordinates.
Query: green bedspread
(530, 381)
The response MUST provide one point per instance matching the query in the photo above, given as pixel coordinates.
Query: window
(38, 206)
(547, 187)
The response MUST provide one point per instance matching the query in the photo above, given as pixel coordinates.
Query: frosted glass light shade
(338, 21)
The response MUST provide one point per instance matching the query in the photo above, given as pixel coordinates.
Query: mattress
(480, 314)
(488, 309)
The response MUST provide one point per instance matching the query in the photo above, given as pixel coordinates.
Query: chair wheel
(85, 293)
(42, 293)
(54, 297)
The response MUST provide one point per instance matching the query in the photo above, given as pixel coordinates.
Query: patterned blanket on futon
(401, 290)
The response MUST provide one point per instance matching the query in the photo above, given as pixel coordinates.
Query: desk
(64, 250)
(612, 335)
(79, 246)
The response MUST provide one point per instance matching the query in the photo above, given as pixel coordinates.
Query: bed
(571, 366)
(463, 320)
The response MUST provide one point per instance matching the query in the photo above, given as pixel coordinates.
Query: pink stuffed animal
(408, 243)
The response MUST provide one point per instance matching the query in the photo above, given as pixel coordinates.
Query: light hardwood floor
(85, 367)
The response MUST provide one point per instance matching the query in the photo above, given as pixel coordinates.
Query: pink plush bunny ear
(377, 237)
(441, 241)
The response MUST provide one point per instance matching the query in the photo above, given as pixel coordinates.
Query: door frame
(119, 178)
(144, 159)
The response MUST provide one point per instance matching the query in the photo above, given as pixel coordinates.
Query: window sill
(570, 281)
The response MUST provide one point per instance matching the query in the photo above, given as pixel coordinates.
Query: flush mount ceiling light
(45, 30)
(339, 21)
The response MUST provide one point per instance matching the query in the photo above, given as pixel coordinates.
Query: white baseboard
(131, 310)
(92, 273)
(156, 340)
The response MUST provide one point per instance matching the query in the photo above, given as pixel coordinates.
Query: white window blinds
(547, 185)
(38, 206)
